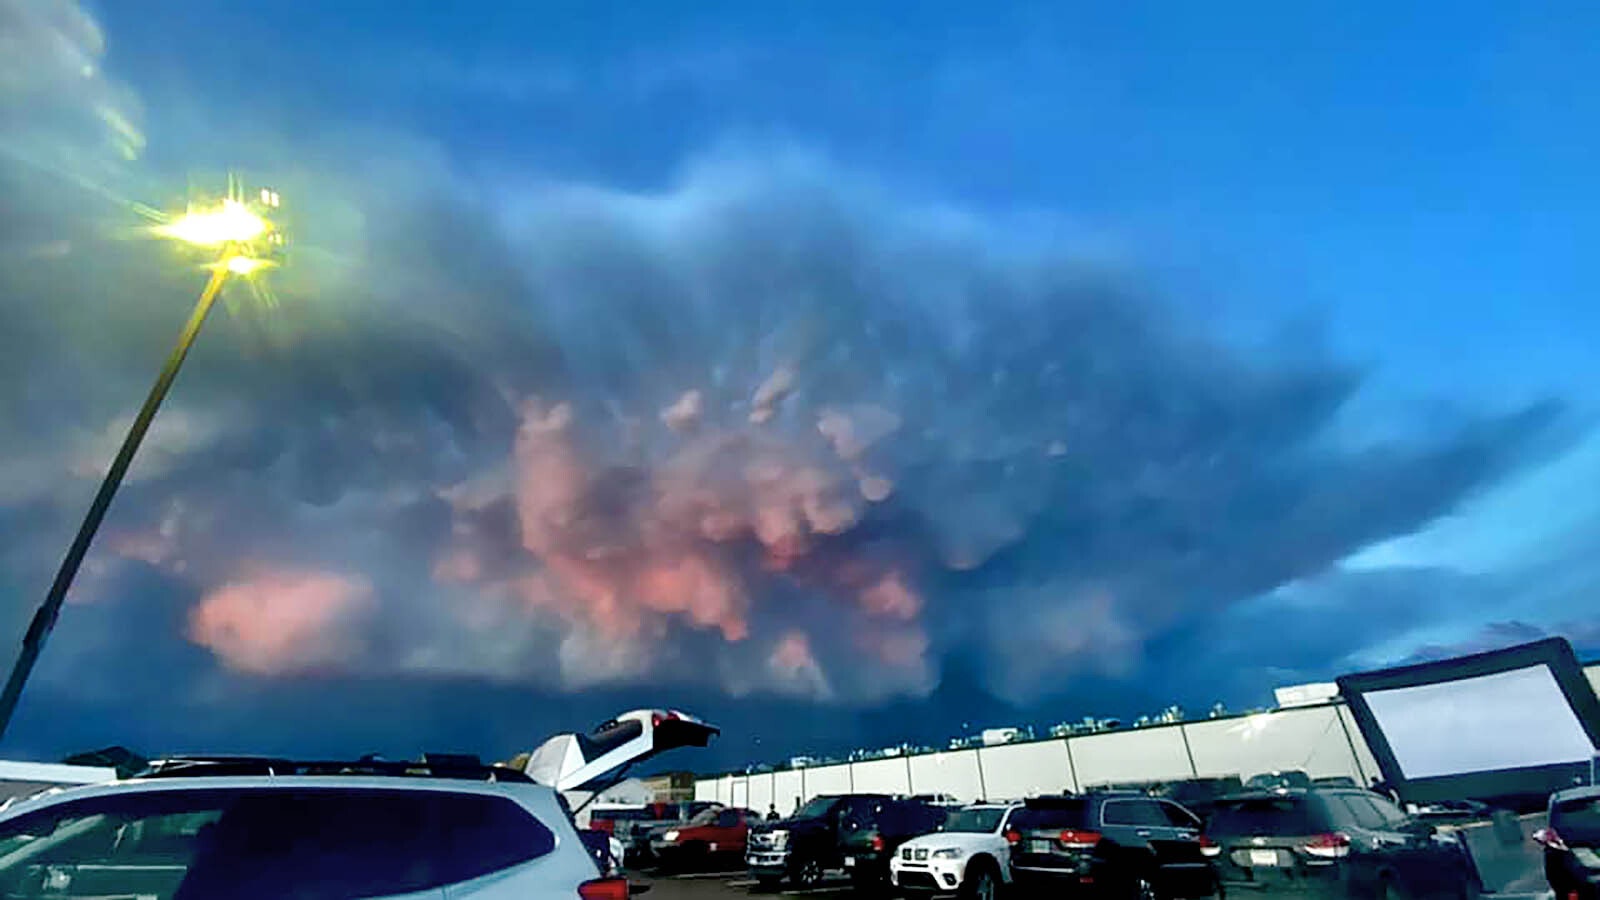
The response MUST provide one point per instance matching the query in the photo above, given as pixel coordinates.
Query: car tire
(982, 882)
(807, 873)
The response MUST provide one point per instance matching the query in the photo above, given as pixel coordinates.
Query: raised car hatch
(569, 761)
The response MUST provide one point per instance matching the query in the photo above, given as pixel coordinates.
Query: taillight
(1549, 838)
(1328, 846)
(1209, 847)
(657, 719)
(1013, 837)
(604, 889)
(877, 842)
(1073, 839)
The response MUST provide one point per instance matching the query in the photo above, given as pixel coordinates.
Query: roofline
(55, 773)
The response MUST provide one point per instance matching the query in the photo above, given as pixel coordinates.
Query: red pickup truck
(715, 834)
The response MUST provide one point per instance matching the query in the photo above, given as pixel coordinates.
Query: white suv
(969, 854)
(250, 828)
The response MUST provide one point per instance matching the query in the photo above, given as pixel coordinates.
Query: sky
(844, 375)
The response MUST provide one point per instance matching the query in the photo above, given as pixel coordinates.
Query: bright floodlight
(245, 265)
(230, 222)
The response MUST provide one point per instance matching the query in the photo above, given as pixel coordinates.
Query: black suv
(807, 843)
(870, 835)
(1570, 841)
(1115, 843)
(1337, 843)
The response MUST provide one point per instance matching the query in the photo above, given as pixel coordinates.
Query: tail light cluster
(1073, 839)
(1328, 846)
(1013, 837)
(1209, 847)
(1549, 838)
(877, 843)
(604, 889)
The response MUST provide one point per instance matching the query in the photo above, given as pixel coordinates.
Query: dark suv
(1570, 841)
(1118, 843)
(1334, 843)
(870, 835)
(807, 843)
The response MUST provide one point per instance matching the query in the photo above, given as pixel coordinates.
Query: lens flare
(230, 222)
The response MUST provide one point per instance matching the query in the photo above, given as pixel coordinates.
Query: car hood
(967, 841)
(570, 761)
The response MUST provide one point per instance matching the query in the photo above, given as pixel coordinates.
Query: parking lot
(720, 885)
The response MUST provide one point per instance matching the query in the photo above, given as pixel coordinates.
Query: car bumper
(942, 877)
(767, 863)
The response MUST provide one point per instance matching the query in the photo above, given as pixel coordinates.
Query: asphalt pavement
(725, 885)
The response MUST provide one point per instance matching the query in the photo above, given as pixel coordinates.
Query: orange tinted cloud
(281, 620)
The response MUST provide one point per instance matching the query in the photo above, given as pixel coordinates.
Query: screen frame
(1555, 654)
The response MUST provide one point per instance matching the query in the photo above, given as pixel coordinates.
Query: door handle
(1143, 832)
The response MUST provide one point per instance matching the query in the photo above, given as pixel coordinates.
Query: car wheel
(808, 874)
(1144, 888)
(981, 884)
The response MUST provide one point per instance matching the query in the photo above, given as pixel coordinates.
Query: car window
(1264, 816)
(1391, 813)
(1363, 809)
(1142, 813)
(272, 843)
(1178, 817)
(1057, 814)
(1577, 820)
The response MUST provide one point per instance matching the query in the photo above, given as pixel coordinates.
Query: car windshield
(1261, 816)
(978, 819)
(705, 817)
(1578, 821)
(816, 807)
(1059, 814)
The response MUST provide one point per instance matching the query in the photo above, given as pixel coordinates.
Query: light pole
(246, 241)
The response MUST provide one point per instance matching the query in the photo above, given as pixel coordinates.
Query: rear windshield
(1059, 814)
(1578, 821)
(1263, 815)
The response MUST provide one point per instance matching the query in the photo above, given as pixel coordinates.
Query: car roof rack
(460, 768)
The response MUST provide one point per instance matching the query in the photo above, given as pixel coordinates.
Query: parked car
(1335, 841)
(712, 834)
(1199, 795)
(869, 836)
(1115, 844)
(204, 827)
(805, 845)
(1571, 844)
(968, 855)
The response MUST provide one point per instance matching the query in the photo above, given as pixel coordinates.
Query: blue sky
(1352, 237)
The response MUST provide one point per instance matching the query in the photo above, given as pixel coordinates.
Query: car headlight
(780, 839)
(670, 836)
(946, 853)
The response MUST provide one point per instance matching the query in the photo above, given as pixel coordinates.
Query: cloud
(768, 429)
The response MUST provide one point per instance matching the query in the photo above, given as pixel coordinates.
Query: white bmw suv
(969, 855)
(253, 828)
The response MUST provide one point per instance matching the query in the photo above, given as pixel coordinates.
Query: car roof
(257, 782)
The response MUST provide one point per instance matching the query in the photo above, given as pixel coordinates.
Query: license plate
(1039, 847)
(849, 862)
(1263, 857)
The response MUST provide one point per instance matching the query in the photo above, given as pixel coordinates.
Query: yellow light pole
(247, 241)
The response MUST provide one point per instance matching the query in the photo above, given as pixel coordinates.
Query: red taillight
(604, 889)
(1328, 846)
(877, 842)
(1072, 839)
(1209, 847)
(1013, 837)
(1549, 838)
(657, 719)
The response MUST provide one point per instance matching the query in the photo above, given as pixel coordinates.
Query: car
(714, 833)
(205, 827)
(968, 855)
(1334, 842)
(870, 835)
(1111, 843)
(1571, 842)
(805, 845)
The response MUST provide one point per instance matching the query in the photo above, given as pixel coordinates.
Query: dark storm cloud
(769, 430)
